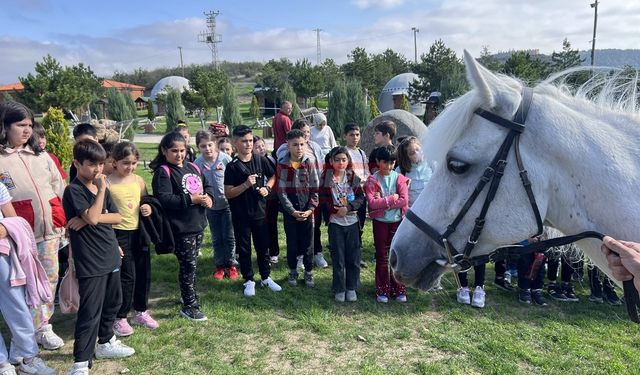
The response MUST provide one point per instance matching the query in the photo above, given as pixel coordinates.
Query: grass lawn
(303, 331)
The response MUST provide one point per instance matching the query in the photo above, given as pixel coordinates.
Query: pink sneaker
(144, 319)
(122, 328)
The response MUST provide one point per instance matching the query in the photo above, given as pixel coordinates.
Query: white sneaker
(351, 296)
(79, 368)
(478, 297)
(249, 288)
(300, 263)
(48, 339)
(339, 297)
(271, 284)
(36, 367)
(114, 349)
(274, 259)
(7, 369)
(318, 259)
(463, 296)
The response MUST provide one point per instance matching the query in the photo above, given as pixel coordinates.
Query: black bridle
(492, 175)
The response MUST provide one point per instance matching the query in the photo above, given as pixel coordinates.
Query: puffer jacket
(378, 206)
(36, 189)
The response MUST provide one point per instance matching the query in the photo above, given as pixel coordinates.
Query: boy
(298, 193)
(80, 133)
(360, 165)
(383, 135)
(90, 212)
(248, 179)
(183, 129)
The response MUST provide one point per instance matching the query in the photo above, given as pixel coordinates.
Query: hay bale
(406, 124)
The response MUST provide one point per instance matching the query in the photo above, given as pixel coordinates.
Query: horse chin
(425, 279)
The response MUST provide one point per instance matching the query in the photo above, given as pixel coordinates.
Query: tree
(273, 76)
(374, 111)
(254, 110)
(287, 94)
(566, 59)
(405, 103)
(69, 87)
(56, 130)
(489, 61)
(150, 114)
(434, 69)
(331, 73)
(306, 80)
(206, 91)
(362, 68)
(117, 108)
(337, 106)
(521, 65)
(175, 110)
(230, 112)
(356, 106)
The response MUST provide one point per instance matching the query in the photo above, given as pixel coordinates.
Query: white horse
(583, 159)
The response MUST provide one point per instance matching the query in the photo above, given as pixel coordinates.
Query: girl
(184, 195)
(412, 165)
(342, 196)
(260, 148)
(15, 312)
(36, 188)
(387, 197)
(224, 145)
(135, 272)
(213, 163)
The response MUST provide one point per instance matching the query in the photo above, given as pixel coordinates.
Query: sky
(123, 35)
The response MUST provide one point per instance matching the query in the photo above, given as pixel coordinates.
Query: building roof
(107, 83)
(12, 87)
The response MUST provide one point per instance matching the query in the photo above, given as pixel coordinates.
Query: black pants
(362, 217)
(500, 268)
(272, 226)
(244, 231)
(100, 299)
(317, 223)
(135, 273)
(597, 286)
(344, 244)
(299, 242)
(555, 262)
(478, 274)
(186, 250)
(524, 264)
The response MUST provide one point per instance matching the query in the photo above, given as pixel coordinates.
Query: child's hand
(145, 210)
(120, 252)
(263, 191)
(100, 181)
(197, 199)
(3, 231)
(251, 180)
(76, 223)
(396, 197)
(342, 211)
(377, 195)
(208, 202)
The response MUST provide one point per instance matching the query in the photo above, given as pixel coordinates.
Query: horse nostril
(393, 259)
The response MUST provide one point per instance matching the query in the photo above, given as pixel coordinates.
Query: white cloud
(385, 4)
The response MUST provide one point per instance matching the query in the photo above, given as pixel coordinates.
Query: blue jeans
(222, 238)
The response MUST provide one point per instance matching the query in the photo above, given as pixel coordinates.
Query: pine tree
(356, 107)
(130, 133)
(175, 110)
(287, 94)
(405, 103)
(230, 112)
(254, 110)
(337, 106)
(117, 108)
(150, 114)
(56, 130)
(566, 59)
(373, 108)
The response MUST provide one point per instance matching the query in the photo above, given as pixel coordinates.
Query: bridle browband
(492, 175)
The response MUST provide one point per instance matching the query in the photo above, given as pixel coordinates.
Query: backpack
(168, 171)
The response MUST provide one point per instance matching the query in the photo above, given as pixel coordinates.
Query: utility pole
(210, 37)
(415, 44)
(318, 51)
(181, 63)
(595, 24)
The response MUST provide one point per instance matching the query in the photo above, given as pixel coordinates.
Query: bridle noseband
(492, 175)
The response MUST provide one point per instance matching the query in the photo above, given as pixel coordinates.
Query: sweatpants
(16, 315)
(344, 243)
(135, 273)
(222, 238)
(100, 299)
(272, 226)
(478, 276)
(386, 283)
(244, 231)
(299, 242)
(186, 250)
(48, 256)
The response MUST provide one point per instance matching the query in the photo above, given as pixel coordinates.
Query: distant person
(183, 128)
(383, 135)
(281, 124)
(80, 133)
(273, 203)
(39, 131)
(360, 166)
(322, 134)
(225, 145)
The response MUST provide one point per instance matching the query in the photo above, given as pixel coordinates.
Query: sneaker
(35, 367)
(611, 297)
(249, 288)
(268, 282)
(536, 296)
(48, 339)
(568, 292)
(319, 261)
(463, 296)
(308, 279)
(232, 272)
(382, 298)
(401, 298)
(219, 273)
(144, 319)
(300, 264)
(597, 298)
(113, 349)
(507, 277)
(524, 296)
(193, 313)
(273, 259)
(292, 279)
(340, 297)
(478, 297)
(556, 292)
(503, 284)
(79, 368)
(7, 369)
(351, 296)
(122, 328)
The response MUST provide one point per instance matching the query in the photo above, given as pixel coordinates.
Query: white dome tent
(399, 85)
(176, 82)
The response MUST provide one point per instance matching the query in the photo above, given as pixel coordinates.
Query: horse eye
(457, 166)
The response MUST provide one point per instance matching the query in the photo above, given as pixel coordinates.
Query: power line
(210, 37)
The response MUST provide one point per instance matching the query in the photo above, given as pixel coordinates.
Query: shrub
(230, 112)
(254, 110)
(356, 108)
(374, 111)
(59, 142)
(337, 107)
(175, 110)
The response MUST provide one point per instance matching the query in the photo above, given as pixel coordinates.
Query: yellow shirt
(127, 199)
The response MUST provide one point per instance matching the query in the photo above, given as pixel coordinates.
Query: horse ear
(491, 89)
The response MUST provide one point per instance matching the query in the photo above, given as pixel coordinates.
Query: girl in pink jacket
(387, 196)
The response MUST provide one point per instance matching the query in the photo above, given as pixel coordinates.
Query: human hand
(120, 252)
(145, 210)
(251, 180)
(263, 191)
(377, 195)
(396, 197)
(208, 202)
(100, 181)
(76, 223)
(3, 231)
(623, 258)
(197, 199)
(342, 211)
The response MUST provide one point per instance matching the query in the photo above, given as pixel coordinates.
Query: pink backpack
(68, 295)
